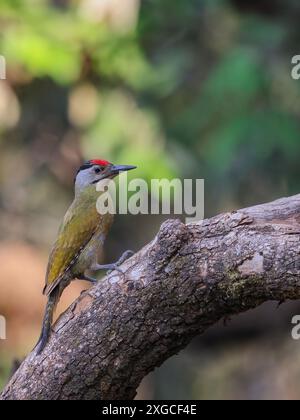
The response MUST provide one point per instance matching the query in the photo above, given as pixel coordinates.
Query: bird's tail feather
(47, 321)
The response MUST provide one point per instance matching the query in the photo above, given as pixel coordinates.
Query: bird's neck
(88, 193)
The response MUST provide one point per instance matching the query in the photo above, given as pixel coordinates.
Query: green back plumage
(79, 225)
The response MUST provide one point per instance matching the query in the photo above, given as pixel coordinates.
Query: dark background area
(188, 89)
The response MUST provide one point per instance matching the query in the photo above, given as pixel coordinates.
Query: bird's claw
(127, 254)
(114, 266)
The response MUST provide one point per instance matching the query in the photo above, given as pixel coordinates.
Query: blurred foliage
(198, 80)
(198, 88)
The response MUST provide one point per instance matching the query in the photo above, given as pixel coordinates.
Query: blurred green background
(189, 89)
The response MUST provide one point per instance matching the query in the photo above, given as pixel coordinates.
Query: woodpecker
(80, 239)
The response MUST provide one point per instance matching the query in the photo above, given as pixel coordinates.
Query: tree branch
(185, 280)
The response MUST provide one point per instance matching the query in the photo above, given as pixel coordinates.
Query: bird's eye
(97, 170)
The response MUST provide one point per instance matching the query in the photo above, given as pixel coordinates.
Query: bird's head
(93, 171)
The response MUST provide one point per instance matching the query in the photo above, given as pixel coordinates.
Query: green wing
(75, 232)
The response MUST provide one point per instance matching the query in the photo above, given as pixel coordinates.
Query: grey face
(88, 176)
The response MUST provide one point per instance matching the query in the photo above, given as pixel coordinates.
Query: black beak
(116, 169)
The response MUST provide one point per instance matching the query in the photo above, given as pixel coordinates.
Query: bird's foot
(114, 266)
(127, 254)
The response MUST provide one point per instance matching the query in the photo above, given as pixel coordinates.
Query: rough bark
(185, 280)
